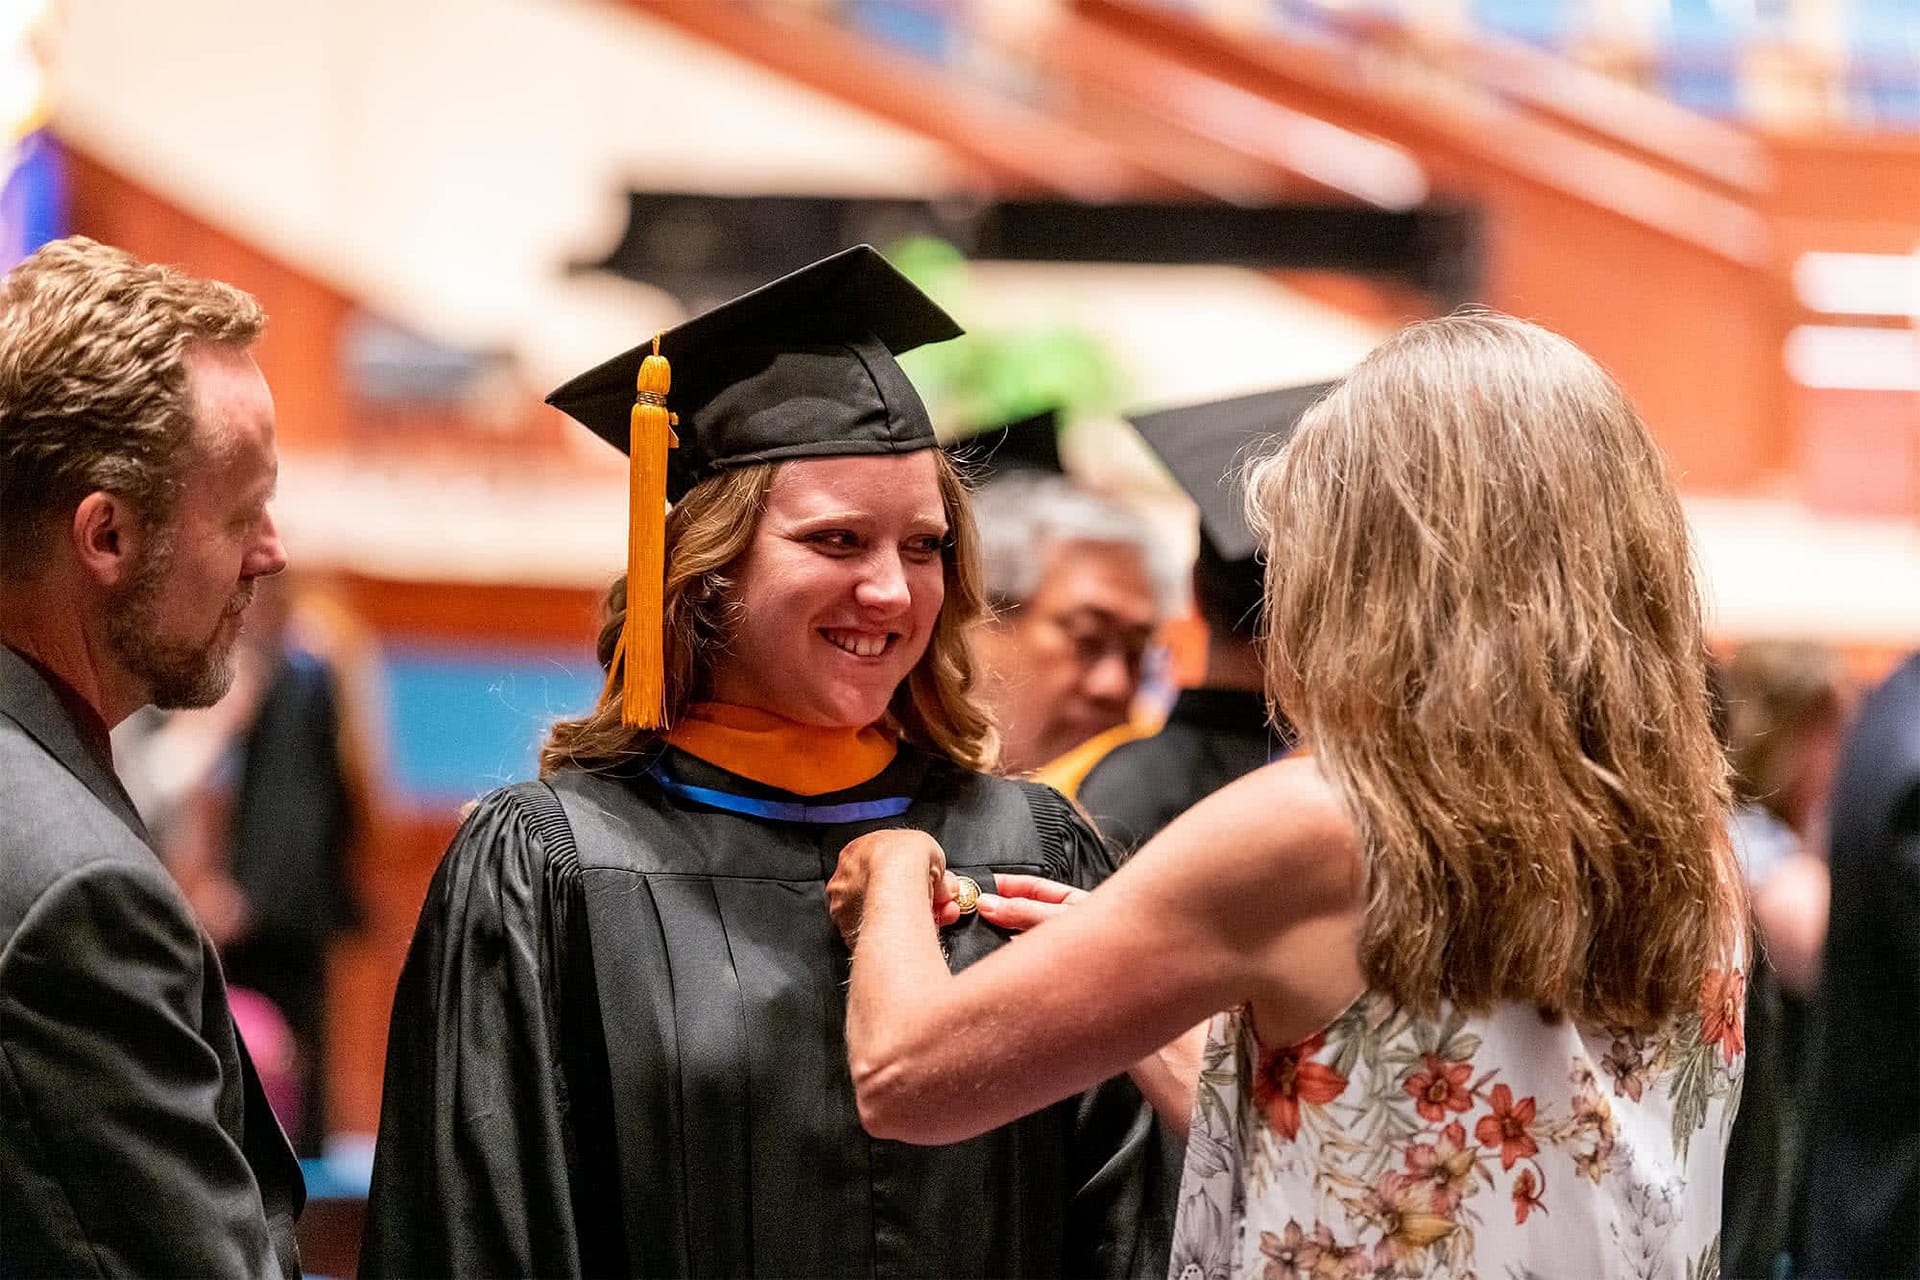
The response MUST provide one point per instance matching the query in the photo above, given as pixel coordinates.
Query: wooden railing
(996, 142)
(1230, 143)
(1096, 136)
(1671, 283)
(1596, 107)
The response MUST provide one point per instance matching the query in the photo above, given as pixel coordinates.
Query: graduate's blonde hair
(937, 706)
(1483, 615)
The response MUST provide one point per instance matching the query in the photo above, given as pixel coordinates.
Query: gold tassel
(638, 661)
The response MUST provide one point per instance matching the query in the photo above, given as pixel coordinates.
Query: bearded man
(136, 464)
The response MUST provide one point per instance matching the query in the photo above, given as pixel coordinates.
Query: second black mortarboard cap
(1029, 446)
(1206, 445)
(800, 368)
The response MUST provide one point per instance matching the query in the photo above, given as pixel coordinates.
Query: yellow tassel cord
(638, 662)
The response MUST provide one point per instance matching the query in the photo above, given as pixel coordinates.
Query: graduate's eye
(835, 541)
(926, 547)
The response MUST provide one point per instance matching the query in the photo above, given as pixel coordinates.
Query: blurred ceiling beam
(706, 247)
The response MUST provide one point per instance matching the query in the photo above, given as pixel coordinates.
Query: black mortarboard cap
(802, 367)
(1205, 445)
(1028, 445)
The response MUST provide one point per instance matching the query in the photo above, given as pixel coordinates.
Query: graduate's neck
(806, 759)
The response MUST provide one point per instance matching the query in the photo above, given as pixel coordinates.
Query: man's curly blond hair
(94, 393)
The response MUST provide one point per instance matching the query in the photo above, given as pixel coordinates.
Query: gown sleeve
(1123, 1165)
(471, 1167)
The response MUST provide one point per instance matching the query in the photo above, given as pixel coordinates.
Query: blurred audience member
(256, 803)
(1221, 730)
(1863, 1143)
(1785, 708)
(275, 1056)
(1786, 716)
(1078, 586)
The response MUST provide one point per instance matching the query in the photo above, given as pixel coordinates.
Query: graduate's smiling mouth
(861, 644)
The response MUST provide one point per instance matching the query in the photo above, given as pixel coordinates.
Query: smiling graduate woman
(1479, 940)
(617, 1046)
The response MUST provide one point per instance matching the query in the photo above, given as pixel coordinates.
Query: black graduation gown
(618, 1049)
(1211, 737)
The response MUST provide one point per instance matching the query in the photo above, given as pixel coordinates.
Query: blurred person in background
(617, 1044)
(136, 465)
(1078, 586)
(1786, 717)
(1785, 706)
(1862, 1212)
(1223, 729)
(1480, 941)
(257, 803)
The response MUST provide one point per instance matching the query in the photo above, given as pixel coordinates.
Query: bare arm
(1169, 1076)
(1252, 896)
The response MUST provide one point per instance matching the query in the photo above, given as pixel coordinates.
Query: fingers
(893, 842)
(1017, 914)
(946, 888)
(859, 861)
(844, 905)
(1025, 902)
(1037, 888)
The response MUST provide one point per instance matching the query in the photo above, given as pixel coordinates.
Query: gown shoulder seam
(547, 822)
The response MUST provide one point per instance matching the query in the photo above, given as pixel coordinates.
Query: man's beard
(180, 675)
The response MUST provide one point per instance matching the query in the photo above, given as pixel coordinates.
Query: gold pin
(966, 894)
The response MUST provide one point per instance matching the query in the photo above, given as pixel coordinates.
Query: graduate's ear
(106, 536)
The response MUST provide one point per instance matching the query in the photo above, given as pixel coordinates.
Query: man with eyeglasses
(1079, 587)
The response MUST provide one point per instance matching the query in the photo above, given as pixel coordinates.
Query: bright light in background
(32, 188)
(1777, 569)
(23, 86)
(1854, 358)
(1859, 284)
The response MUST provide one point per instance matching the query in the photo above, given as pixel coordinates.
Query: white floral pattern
(1515, 1144)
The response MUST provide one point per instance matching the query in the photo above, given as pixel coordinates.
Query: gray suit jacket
(134, 1136)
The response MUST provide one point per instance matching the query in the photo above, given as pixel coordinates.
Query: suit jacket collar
(27, 700)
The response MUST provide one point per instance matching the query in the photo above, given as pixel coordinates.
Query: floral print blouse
(1511, 1145)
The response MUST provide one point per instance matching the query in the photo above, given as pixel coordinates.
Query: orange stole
(806, 759)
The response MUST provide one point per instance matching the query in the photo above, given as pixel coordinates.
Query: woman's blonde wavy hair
(1482, 612)
(708, 530)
